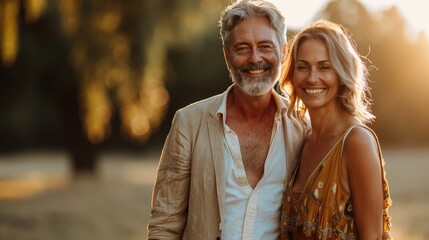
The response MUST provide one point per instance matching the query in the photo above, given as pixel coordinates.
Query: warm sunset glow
(159, 97)
(109, 22)
(28, 187)
(116, 75)
(140, 126)
(136, 122)
(96, 111)
(120, 49)
(9, 28)
(69, 14)
(300, 13)
(34, 9)
(211, 6)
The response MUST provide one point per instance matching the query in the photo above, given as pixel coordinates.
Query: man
(226, 159)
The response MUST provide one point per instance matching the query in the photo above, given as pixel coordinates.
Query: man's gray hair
(247, 9)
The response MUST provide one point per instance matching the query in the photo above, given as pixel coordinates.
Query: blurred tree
(97, 57)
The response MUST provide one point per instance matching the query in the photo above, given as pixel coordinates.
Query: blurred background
(88, 90)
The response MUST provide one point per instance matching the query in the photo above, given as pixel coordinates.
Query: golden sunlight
(34, 8)
(300, 13)
(9, 35)
(28, 187)
(69, 11)
(109, 21)
(140, 126)
(97, 111)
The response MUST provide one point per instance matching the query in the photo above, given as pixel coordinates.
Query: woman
(339, 189)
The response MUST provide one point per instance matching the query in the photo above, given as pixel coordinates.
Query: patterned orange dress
(324, 210)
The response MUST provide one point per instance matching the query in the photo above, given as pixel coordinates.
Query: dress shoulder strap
(341, 174)
(367, 128)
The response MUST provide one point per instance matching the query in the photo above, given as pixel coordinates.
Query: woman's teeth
(314, 91)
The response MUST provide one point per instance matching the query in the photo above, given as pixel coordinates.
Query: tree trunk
(81, 151)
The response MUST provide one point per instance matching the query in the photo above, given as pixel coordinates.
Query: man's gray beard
(254, 86)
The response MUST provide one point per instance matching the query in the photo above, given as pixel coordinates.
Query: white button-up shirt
(253, 213)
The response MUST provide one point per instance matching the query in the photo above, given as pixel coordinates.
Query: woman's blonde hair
(354, 96)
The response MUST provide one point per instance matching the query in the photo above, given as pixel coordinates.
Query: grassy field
(38, 200)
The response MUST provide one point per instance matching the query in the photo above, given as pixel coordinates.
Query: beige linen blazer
(188, 196)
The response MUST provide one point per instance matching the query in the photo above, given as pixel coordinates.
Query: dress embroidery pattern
(325, 208)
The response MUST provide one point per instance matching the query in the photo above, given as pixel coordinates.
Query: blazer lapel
(216, 139)
(217, 149)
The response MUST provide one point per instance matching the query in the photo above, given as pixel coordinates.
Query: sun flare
(299, 13)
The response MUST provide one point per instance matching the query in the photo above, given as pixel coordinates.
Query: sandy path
(37, 200)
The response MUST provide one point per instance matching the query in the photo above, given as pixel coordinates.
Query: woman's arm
(362, 163)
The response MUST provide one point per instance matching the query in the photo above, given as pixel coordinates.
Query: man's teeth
(314, 91)
(256, 71)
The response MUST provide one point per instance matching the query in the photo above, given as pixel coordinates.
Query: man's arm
(171, 191)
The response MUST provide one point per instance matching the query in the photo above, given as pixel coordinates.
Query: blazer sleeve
(171, 191)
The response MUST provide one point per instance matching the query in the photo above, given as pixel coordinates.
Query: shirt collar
(221, 112)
